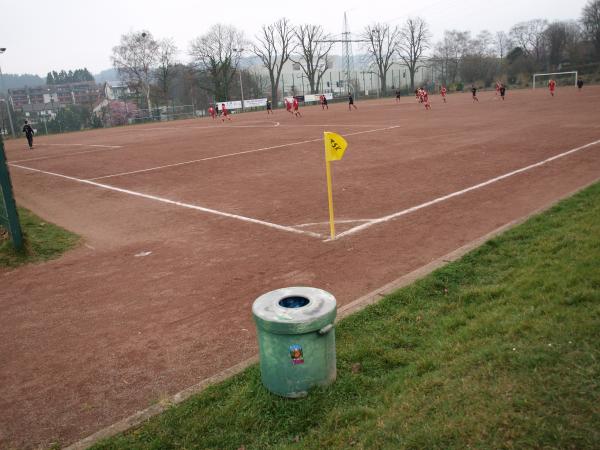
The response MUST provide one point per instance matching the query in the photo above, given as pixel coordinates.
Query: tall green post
(9, 217)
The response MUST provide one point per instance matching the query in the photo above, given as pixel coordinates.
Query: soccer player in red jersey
(444, 91)
(296, 110)
(324, 104)
(224, 112)
(552, 87)
(425, 99)
(288, 105)
(212, 112)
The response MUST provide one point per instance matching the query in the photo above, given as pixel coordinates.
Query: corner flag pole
(329, 194)
(335, 146)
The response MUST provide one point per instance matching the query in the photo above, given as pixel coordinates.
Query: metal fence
(164, 113)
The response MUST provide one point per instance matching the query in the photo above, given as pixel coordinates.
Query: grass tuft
(43, 241)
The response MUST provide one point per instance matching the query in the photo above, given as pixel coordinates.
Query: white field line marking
(461, 192)
(335, 125)
(56, 156)
(173, 202)
(209, 127)
(229, 155)
(303, 225)
(238, 126)
(84, 145)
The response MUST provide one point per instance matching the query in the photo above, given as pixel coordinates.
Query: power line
(346, 40)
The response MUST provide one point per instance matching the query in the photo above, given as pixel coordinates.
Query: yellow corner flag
(335, 146)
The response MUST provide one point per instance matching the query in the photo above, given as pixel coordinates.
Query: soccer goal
(561, 78)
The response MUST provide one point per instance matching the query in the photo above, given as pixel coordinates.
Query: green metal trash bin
(296, 339)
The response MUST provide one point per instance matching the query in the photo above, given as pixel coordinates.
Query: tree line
(157, 77)
(71, 76)
(151, 66)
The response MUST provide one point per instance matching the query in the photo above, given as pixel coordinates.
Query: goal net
(561, 78)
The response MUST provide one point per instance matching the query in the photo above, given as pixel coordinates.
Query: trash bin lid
(294, 310)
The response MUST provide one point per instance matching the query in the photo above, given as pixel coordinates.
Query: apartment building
(51, 97)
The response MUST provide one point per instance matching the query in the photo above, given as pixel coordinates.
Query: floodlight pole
(12, 128)
(301, 76)
(239, 52)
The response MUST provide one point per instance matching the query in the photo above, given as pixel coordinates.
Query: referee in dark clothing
(28, 134)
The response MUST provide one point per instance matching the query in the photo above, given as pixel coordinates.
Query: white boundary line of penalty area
(83, 145)
(461, 192)
(229, 155)
(173, 202)
(56, 156)
(208, 127)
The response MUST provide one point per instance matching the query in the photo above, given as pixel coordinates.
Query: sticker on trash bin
(296, 354)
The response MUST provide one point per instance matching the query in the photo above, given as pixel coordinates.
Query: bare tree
(441, 60)
(413, 41)
(275, 45)
(479, 63)
(135, 60)
(216, 52)
(167, 52)
(560, 38)
(482, 44)
(449, 53)
(591, 23)
(314, 53)
(502, 43)
(531, 38)
(574, 50)
(382, 43)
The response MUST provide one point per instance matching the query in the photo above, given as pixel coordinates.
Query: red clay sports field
(185, 223)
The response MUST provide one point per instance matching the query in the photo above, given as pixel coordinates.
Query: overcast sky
(43, 35)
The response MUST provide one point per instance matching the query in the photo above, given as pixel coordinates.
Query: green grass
(43, 241)
(498, 350)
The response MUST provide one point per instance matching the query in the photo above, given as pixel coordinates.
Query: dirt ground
(159, 295)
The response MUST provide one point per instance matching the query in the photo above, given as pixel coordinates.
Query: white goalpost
(554, 74)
